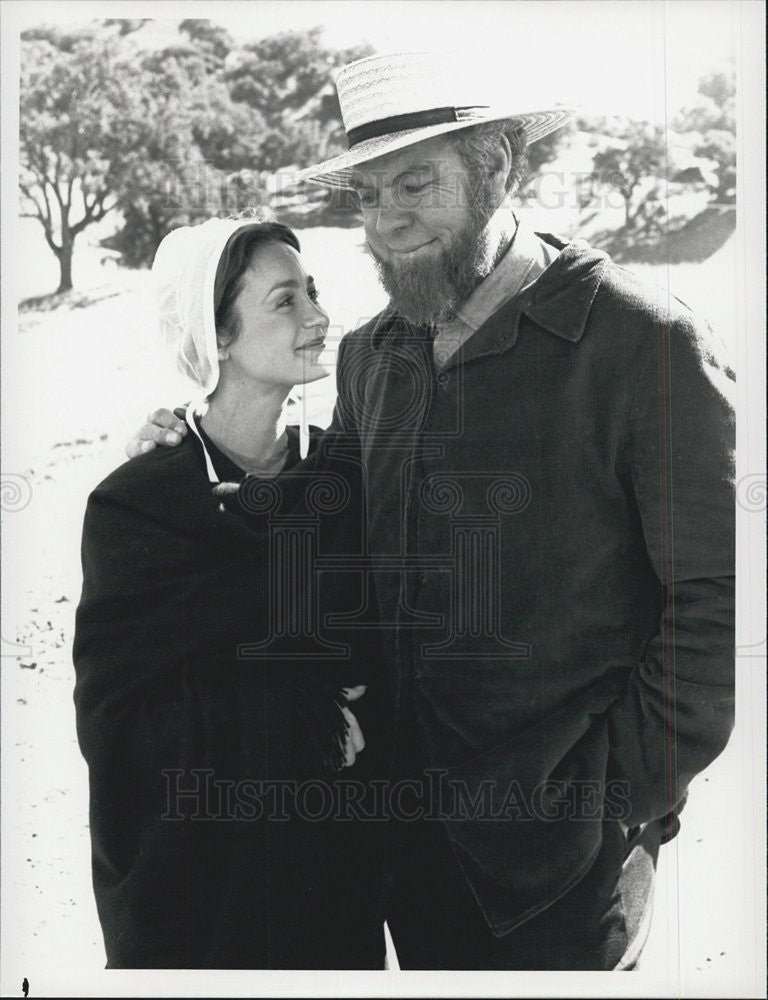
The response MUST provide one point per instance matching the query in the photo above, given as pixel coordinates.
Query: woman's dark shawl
(192, 864)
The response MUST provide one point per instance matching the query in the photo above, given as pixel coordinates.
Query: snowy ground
(77, 383)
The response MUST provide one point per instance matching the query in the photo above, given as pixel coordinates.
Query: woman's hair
(233, 264)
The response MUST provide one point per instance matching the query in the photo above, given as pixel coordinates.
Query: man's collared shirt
(526, 258)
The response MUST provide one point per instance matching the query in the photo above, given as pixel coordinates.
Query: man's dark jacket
(551, 535)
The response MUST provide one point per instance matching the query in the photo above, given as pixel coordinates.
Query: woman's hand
(355, 741)
(161, 427)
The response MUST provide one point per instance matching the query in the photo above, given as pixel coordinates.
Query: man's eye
(367, 198)
(414, 188)
(287, 301)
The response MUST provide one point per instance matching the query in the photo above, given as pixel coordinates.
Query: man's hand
(161, 427)
(355, 741)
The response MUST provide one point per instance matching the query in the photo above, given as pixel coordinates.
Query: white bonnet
(184, 274)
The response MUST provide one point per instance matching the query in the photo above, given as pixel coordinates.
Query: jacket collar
(559, 301)
(386, 325)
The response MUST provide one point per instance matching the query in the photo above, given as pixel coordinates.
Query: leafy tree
(211, 40)
(124, 25)
(281, 73)
(634, 157)
(288, 79)
(167, 137)
(194, 154)
(712, 123)
(218, 118)
(75, 96)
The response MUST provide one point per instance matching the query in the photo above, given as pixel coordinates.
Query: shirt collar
(523, 261)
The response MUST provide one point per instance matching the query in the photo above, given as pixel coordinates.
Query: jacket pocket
(526, 816)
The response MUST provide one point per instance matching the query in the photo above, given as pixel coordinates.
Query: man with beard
(548, 446)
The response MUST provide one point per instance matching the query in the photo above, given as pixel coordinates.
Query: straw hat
(389, 102)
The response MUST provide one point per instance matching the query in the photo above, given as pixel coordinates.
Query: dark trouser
(436, 922)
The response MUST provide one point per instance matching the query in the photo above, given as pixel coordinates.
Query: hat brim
(338, 172)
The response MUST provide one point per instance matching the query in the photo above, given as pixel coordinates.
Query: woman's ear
(223, 340)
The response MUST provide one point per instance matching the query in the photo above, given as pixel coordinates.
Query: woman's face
(282, 327)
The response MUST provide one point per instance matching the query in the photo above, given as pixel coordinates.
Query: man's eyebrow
(359, 183)
(418, 168)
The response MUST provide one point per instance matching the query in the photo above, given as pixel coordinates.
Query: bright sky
(638, 57)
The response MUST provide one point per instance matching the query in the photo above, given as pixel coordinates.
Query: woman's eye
(313, 294)
(367, 198)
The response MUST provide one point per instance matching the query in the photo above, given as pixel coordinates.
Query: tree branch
(52, 243)
(43, 218)
(46, 217)
(38, 160)
(36, 168)
(94, 211)
(93, 216)
(38, 213)
(79, 226)
(57, 193)
(102, 208)
(44, 187)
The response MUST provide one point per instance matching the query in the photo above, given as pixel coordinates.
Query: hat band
(414, 119)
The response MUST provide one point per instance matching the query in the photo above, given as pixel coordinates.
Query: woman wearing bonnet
(197, 721)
